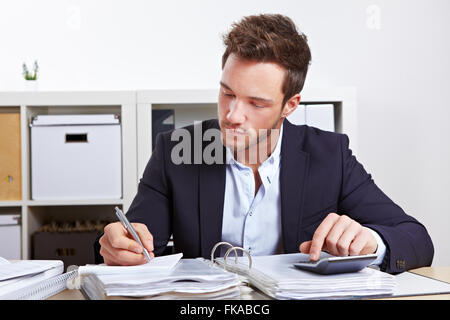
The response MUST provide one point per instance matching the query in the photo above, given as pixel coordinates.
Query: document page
(189, 276)
(26, 267)
(8, 287)
(156, 264)
(411, 284)
(276, 276)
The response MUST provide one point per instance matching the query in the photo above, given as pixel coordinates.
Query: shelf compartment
(70, 202)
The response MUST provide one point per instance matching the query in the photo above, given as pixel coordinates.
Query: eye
(227, 94)
(257, 106)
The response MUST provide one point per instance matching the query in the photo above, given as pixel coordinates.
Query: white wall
(396, 53)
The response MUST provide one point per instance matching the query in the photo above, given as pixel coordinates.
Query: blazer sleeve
(152, 204)
(408, 244)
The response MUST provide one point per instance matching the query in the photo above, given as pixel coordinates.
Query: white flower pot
(30, 85)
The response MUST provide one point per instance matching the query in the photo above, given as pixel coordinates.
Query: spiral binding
(47, 288)
(232, 248)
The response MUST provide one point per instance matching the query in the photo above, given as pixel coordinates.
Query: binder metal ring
(217, 245)
(236, 256)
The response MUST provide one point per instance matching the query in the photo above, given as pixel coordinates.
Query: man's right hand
(119, 248)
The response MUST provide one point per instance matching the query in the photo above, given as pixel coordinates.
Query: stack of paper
(277, 277)
(31, 279)
(188, 279)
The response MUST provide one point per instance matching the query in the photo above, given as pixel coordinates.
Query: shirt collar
(269, 167)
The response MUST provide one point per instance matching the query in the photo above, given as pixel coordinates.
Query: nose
(236, 113)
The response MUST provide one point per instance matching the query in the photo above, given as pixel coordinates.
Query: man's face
(250, 99)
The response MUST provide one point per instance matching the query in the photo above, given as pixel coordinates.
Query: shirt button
(250, 213)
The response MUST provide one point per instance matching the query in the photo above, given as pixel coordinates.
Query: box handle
(65, 252)
(76, 137)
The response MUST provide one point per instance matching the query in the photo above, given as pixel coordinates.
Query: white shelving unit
(29, 104)
(135, 109)
(189, 105)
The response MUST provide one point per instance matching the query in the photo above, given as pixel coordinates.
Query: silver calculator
(334, 264)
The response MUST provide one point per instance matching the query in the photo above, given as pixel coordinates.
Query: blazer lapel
(211, 199)
(293, 176)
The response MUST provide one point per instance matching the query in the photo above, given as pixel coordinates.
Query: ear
(291, 105)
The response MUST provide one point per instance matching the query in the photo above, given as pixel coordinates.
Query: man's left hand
(340, 236)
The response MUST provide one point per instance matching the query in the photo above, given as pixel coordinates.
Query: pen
(131, 230)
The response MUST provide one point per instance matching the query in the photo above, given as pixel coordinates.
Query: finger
(118, 238)
(357, 245)
(104, 243)
(108, 257)
(121, 257)
(335, 234)
(145, 235)
(305, 247)
(344, 242)
(128, 258)
(320, 234)
(103, 240)
(364, 243)
(113, 256)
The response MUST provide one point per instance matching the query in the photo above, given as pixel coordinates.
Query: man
(304, 190)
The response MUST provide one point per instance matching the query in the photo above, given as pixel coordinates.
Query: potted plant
(30, 77)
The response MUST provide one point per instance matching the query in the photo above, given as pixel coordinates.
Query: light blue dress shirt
(251, 221)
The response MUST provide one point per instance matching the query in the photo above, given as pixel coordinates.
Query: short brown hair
(271, 38)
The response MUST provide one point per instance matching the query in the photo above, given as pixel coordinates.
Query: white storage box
(76, 157)
(10, 236)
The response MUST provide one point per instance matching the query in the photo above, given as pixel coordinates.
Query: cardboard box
(71, 242)
(72, 247)
(10, 157)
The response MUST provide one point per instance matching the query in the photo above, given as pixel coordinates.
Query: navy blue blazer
(318, 175)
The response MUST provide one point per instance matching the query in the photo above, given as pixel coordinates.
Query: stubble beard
(250, 150)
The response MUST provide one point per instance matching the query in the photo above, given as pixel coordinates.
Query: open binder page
(12, 288)
(276, 276)
(411, 284)
(90, 290)
(26, 267)
(30, 279)
(163, 263)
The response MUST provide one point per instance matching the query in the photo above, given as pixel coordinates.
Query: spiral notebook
(32, 279)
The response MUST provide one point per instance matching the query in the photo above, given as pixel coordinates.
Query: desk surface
(247, 293)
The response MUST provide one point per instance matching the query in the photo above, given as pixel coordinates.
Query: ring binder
(236, 256)
(192, 278)
(232, 248)
(215, 247)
